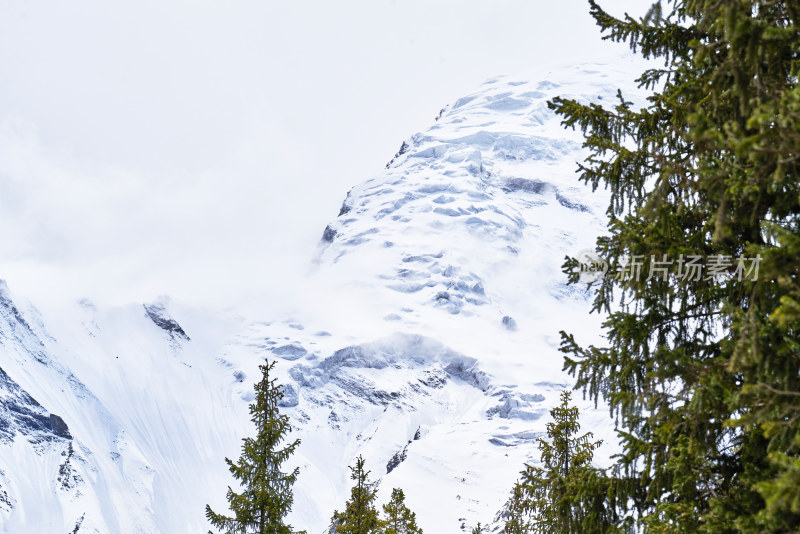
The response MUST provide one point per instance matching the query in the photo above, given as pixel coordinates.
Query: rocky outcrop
(21, 414)
(161, 318)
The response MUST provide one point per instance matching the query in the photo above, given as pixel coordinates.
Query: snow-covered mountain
(425, 338)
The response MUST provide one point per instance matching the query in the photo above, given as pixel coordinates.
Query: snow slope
(426, 339)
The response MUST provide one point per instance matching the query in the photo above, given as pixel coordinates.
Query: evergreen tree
(360, 515)
(336, 520)
(398, 519)
(517, 521)
(267, 491)
(562, 496)
(701, 372)
(478, 529)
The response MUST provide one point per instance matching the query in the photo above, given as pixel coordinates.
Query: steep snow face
(130, 419)
(426, 339)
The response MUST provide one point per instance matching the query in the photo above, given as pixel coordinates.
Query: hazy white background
(198, 148)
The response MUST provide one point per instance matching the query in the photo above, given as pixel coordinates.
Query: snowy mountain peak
(425, 339)
(472, 217)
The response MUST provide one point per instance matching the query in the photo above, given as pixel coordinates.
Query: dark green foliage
(478, 529)
(266, 497)
(517, 520)
(397, 518)
(702, 375)
(360, 515)
(566, 494)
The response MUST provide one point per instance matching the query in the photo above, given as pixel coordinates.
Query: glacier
(424, 338)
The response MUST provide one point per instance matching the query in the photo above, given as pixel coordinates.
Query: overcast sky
(198, 148)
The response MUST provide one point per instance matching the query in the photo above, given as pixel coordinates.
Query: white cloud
(199, 148)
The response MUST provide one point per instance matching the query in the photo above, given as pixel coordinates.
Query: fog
(198, 148)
